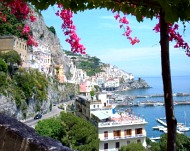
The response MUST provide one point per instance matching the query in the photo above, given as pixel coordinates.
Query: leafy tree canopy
(50, 127)
(83, 133)
(11, 57)
(71, 130)
(3, 66)
(12, 26)
(3, 79)
(174, 10)
(133, 147)
(182, 143)
(32, 83)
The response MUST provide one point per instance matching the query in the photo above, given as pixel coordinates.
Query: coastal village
(88, 107)
(40, 58)
(114, 129)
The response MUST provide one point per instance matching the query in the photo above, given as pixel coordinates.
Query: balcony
(120, 123)
(122, 137)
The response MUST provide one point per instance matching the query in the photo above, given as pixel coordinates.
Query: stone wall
(16, 136)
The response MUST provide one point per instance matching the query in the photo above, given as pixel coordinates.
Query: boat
(183, 127)
(158, 127)
(158, 104)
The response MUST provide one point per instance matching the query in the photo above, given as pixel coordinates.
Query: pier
(162, 95)
(161, 122)
(163, 128)
(151, 103)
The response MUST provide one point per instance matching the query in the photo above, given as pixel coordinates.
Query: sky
(102, 37)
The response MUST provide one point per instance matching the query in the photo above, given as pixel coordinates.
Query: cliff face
(56, 92)
(44, 36)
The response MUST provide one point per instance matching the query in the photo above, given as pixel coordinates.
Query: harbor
(150, 111)
(148, 100)
(149, 103)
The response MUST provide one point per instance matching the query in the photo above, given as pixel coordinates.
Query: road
(55, 112)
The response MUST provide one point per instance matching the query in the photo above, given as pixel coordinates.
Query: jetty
(163, 128)
(149, 103)
(162, 95)
(154, 139)
(161, 122)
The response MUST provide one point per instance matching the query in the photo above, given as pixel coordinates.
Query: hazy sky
(102, 37)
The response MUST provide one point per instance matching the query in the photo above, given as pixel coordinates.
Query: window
(105, 145)
(117, 145)
(128, 132)
(104, 104)
(117, 133)
(138, 131)
(138, 141)
(128, 142)
(105, 134)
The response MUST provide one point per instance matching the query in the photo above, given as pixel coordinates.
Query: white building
(112, 83)
(116, 130)
(86, 87)
(40, 58)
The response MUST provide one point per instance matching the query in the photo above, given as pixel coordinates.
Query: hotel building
(114, 129)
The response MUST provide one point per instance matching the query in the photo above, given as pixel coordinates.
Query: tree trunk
(167, 85)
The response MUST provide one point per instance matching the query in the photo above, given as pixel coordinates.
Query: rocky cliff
(134, 84)
(56, 92)
(43, 35)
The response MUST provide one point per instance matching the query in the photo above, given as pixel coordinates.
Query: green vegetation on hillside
(70, 53)
(71, 130)
(21, 84)
(12, 26)
(91, 65)
(52, 29)
(182, 143)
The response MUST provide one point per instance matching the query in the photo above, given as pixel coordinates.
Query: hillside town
(40, 58)
(114, 129)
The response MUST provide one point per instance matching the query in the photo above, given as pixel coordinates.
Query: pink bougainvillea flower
(26, 29)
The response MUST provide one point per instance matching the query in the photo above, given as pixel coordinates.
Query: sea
(180, 84)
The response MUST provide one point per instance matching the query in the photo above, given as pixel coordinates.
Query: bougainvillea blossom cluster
(70, 30)
(174, 35)
(2, 17)
(124, 23)
(22, 11)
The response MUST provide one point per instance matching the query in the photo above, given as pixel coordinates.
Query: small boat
(158, 104)
(158, 127)
(183, 128)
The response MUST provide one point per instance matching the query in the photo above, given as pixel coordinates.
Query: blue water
(179, 84)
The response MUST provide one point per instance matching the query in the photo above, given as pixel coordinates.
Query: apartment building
(86, 87)
(40, 58)
(8, 43)
(114, 129)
